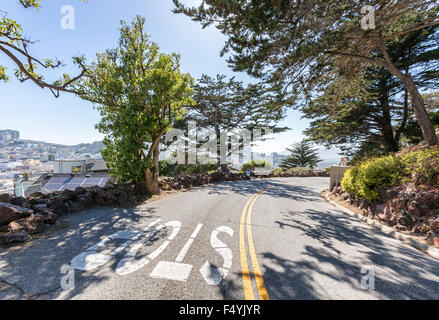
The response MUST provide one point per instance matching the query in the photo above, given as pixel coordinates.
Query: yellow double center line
(246, 220)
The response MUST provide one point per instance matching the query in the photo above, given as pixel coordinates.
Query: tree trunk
(152, 174)
(417, 101)
(401, 128)
(421, 113)
(387, 128)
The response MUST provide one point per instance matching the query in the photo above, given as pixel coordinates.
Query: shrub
(379, 173)
(299, 170)
(350, 181)
(256, 164)
(277, 171)
(423, 162)
(365, 179)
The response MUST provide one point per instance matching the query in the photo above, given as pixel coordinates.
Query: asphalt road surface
(260, 239)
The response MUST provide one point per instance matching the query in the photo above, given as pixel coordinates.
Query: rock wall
(410, 208)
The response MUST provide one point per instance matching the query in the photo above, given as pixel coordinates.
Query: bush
(277, 171)
(365, 179)
(379, 173)
(256, 164)
(299, 170)
(350, 181)
(423, 162)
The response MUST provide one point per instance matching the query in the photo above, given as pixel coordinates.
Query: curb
(428, 249)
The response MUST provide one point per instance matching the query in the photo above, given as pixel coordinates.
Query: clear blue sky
(69, 120)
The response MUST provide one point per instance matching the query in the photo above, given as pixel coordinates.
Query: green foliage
(226, 104)
(26, 176)
(364, 151)
(277, 171)
(140, 93)
(299, 170)
(256, 164)
(372, 109)
(413, 131)
(365, 179)
(296, 171)
(298, 45)
(301, 155)
(378, 173)
(350, 181)
(424, 163)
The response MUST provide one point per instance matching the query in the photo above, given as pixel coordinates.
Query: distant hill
(54, 148)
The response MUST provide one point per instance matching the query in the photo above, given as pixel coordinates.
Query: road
(260, 239)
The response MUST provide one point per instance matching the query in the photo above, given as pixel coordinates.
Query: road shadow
(401, 272)
(288, 188)
(35, 268)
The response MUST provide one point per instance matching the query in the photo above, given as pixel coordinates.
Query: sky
(38, 115)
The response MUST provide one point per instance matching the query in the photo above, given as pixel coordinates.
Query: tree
(298, 43)
(140, 93)
(16, 47)
(374, 110)
(26, 176)
(256, 164)
(302, 155)
(223, 105)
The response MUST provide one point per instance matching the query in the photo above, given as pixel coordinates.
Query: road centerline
(246, 279)
(246, 276)
(263, 294)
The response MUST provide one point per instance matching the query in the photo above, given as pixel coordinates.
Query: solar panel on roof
(73, 183)
(63, 183)
(58, 180)
(77, 180)
(52, 187)
(89, 182)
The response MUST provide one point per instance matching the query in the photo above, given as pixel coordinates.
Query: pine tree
(375, 109)
(302, 155)
(296, 43)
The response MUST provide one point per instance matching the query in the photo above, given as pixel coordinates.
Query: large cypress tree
(375, 109)
(298, 43)
(223, 105)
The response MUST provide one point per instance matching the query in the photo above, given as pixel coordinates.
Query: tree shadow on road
(35, 268)
(290, 188)
(343, 247)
